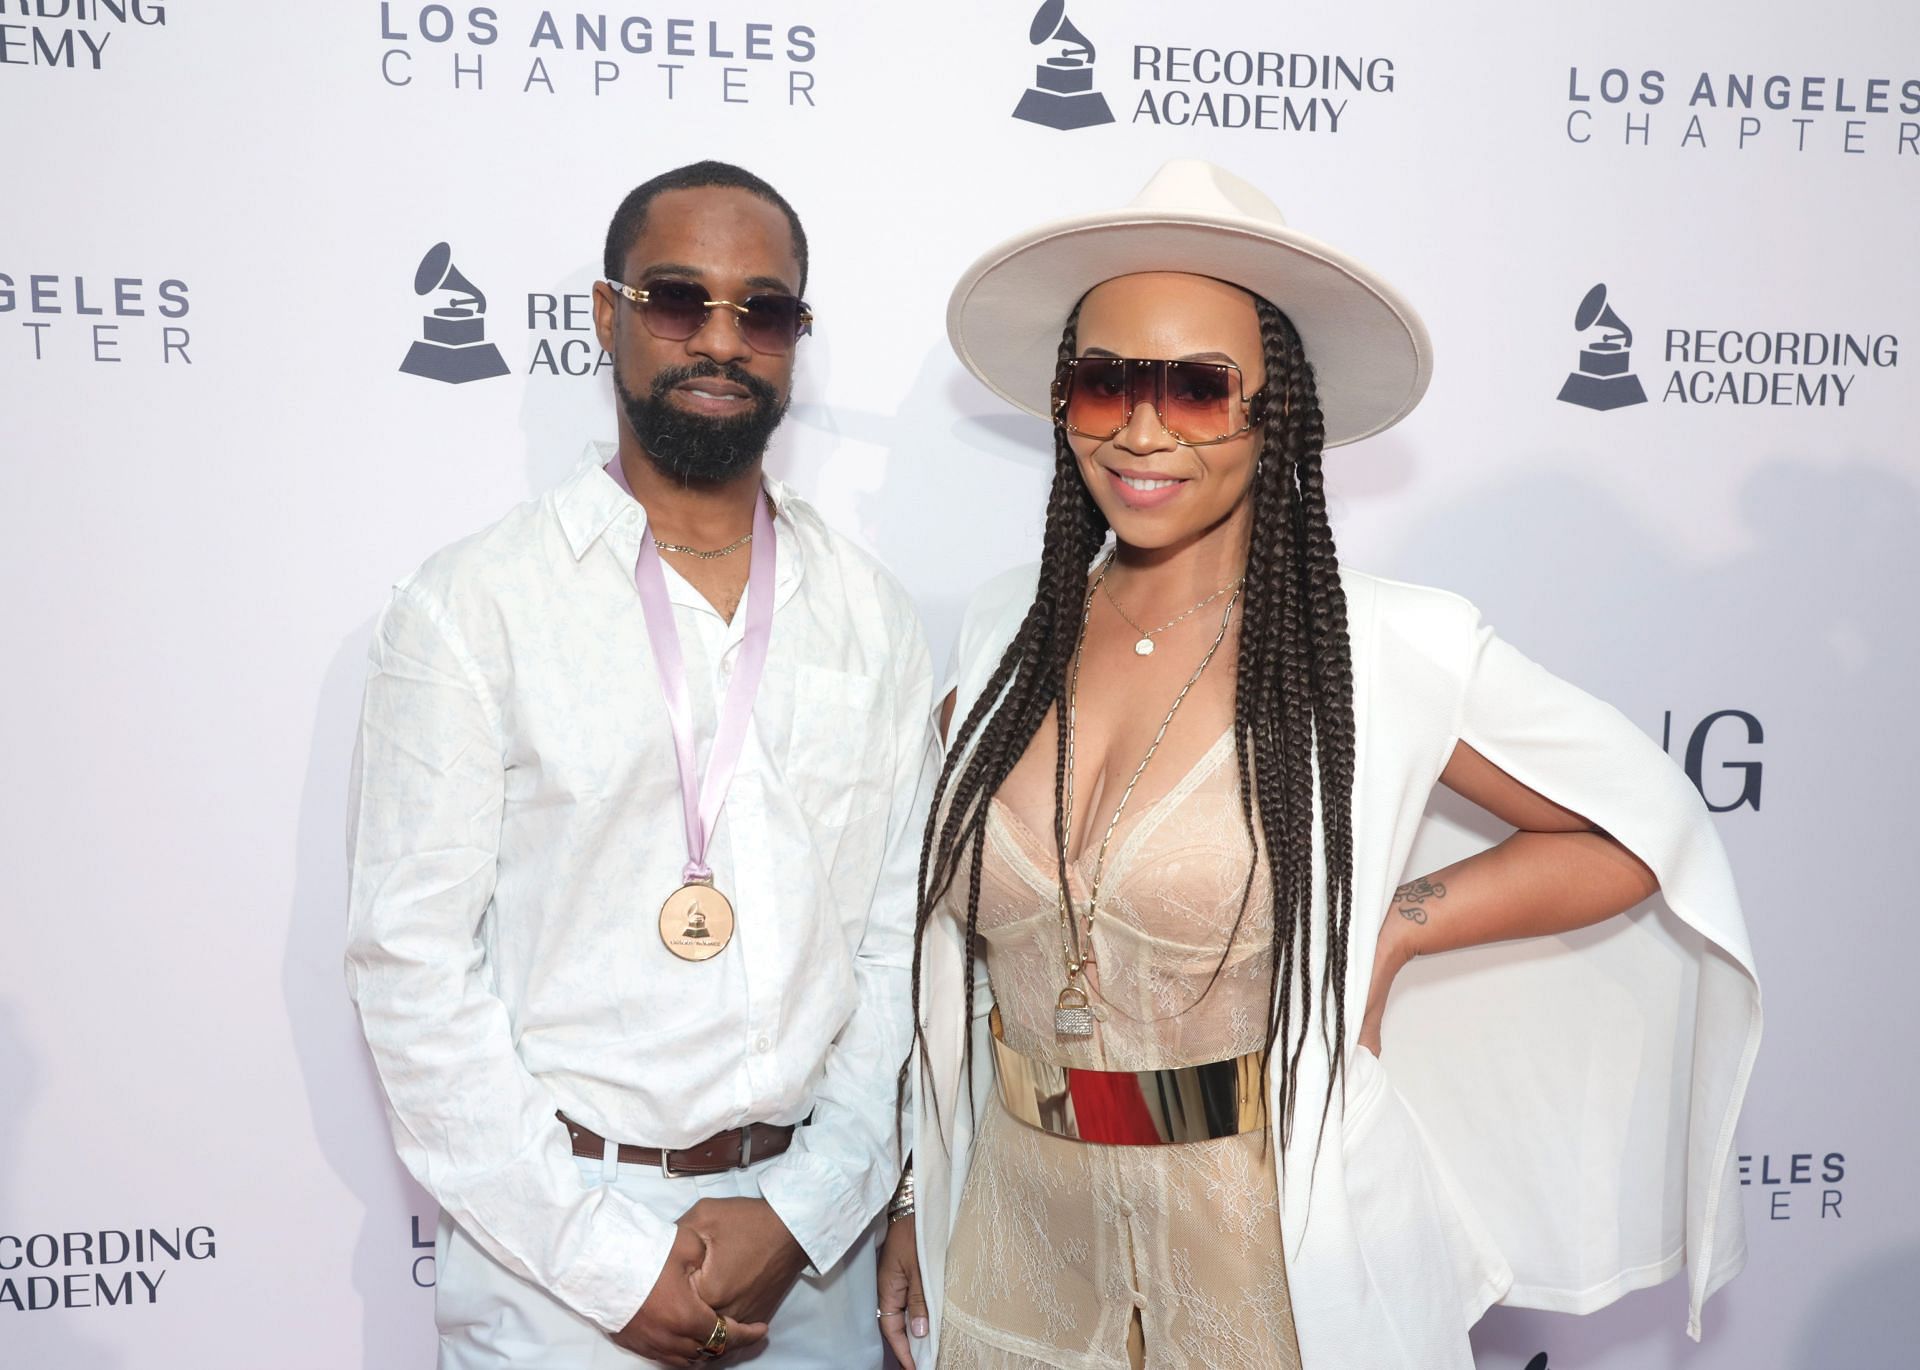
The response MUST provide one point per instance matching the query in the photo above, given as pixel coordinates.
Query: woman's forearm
(1530, 885)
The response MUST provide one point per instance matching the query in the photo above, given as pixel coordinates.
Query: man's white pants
(491, 1319)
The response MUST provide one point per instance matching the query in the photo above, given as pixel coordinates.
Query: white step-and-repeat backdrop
(212, 216)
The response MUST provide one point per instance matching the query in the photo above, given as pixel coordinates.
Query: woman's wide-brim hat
(1370, 353)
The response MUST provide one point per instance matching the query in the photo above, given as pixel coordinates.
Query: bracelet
(901, 1205)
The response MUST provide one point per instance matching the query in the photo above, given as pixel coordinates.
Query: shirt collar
(589, 500)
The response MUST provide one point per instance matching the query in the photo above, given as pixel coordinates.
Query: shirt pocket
(840, 756)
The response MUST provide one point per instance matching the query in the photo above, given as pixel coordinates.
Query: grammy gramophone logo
(1605, 379)
(1062, 95)
(453, 345)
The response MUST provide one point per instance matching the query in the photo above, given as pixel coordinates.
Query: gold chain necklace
(1073, 1011)
(715, 555)
(1144, 647)
(731, 547)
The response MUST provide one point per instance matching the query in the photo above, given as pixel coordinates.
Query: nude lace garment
(1057, 1241)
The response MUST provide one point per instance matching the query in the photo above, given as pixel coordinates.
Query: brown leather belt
(731, 1150)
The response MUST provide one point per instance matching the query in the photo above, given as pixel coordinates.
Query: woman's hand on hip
(1391, 952)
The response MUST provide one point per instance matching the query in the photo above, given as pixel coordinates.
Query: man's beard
(696, 449)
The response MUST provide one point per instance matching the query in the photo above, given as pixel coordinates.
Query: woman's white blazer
(1553, 1122)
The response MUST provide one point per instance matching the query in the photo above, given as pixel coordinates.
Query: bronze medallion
(696, 922)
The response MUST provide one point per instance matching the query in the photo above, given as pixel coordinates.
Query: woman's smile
(1145, 489)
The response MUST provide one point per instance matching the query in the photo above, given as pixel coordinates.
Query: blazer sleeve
(1584, 1088)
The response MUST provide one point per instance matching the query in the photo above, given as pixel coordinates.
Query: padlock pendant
(1073, 1014)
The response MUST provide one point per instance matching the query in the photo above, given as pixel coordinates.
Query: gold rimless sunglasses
(676, 310)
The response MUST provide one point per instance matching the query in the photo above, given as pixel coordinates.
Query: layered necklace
(1073, 1011)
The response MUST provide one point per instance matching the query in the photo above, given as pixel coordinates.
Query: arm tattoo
(1411, 897)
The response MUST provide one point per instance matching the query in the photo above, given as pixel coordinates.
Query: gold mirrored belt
(1132, 1107)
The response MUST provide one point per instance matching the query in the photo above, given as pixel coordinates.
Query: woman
(1185, 775)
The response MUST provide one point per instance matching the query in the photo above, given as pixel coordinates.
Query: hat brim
(1370, 353)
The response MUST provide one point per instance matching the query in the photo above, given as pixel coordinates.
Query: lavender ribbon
(701, 800)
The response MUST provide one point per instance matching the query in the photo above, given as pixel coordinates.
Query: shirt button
(762, 1044)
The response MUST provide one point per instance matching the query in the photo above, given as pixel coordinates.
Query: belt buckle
(746, 1157)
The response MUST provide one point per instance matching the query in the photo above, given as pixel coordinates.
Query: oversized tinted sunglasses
(1199, 403)
(676, 310)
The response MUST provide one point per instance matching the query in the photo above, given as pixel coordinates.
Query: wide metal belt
(1132, 1107)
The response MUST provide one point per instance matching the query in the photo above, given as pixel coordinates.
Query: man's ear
(604, 308)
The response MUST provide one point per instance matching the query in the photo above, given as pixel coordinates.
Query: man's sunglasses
(676, 310)
(1199, 403)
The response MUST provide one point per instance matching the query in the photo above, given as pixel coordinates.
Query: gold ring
(715, 1345)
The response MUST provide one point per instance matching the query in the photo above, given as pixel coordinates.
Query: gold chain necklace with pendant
(1073, 1011)
(1144, 647)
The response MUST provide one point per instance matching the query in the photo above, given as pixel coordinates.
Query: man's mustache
(763, 393)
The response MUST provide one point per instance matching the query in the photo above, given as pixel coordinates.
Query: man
(635, 824)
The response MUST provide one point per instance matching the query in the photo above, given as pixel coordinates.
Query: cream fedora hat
(1370, 353)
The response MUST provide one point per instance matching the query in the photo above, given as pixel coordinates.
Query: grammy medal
(696, 922)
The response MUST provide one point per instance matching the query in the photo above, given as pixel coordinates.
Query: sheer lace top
(1069, 1253)
(1170, 905)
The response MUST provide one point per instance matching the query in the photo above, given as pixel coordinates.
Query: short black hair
(631, 218)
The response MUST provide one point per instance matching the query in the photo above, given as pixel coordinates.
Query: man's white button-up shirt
(515, 824)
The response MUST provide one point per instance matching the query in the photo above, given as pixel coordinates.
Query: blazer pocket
(1426, 1250)
(839, 759)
